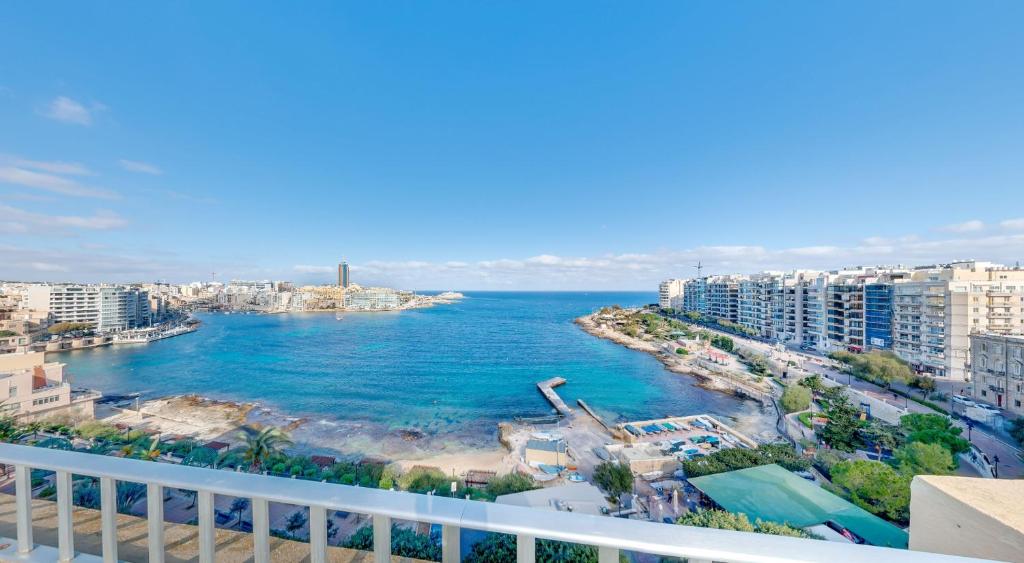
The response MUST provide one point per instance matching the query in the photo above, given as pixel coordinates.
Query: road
(987, 440)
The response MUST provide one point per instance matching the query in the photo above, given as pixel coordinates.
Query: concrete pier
(547, 389)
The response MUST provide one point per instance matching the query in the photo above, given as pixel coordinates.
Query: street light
(995, 466)
(970, 426)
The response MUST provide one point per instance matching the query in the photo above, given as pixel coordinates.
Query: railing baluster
(450, 544)
(155, 519)
(260, 530)
(108, 517)
(207, 533)
(381, 539)
(607, 555)
(526, 549)
(317, 534)
(65, 524)
(23, 492)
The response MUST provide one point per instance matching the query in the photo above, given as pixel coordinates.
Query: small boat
(338, 316)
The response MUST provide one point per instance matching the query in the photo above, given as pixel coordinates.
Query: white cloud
(47, 267)
(139, 166)
(50, 182)
(1013, 224)
(67, 110)
(53, 167)
(19, 221)
(971, 226)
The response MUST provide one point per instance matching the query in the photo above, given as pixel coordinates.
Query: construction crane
(699, 268)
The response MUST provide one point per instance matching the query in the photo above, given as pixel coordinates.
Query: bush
(424, 480)
(94, 429)
(511, 483)
(614, 478)
(805, 419)
(796, 398)
(722, 520)
(681, 351)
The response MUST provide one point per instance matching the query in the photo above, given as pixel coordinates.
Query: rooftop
(769, 492)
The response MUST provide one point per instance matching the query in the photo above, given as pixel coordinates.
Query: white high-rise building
(105, 307)
(936, 311)
(757, 303)
(670, 294)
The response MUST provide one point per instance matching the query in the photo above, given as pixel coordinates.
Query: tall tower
(343, 278)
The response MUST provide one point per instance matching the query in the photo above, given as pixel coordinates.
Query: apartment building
(878, 315)
(844, 328)
(723, 297)
(997, 370)
(757, 303)
(695, 296)
(106, 307)
(33, 389)
(373, 298)
(670, 293)
(938, 308)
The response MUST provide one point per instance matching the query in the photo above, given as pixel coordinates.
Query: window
(14, 391)
(984, 393)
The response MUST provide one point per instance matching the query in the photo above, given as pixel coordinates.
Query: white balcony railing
(609, 535)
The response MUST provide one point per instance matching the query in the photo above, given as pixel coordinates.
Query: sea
(410, 382)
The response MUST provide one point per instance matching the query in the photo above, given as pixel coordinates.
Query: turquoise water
(451, 372)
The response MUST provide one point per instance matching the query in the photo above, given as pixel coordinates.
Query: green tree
(501, 548)
(919, 458)
(934, 429)
(387, 479)
(873, 486)
(614, 478)
(840, 431)
(404, 543)
(263, 444)
(796, 398)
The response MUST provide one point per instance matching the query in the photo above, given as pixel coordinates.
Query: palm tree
(296, 520)
(153, 452)
(190, 494)
(238, 506)
(128, 494)
(263, 444)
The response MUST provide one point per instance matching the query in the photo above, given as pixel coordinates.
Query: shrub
(796, 398)
(878, 367)
(425, 479)
(722, 520)
(95, 429)
(501, 548)
(934, 429)
(681, 351)
(738, 458)
(511, 483)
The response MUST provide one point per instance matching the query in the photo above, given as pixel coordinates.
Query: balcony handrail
(607, 533)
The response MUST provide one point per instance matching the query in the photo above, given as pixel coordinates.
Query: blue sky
(536, 145)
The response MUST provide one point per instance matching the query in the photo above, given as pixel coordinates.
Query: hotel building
(106, 307)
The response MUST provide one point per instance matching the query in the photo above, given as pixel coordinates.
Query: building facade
(670, 294)
(33, 389)
(878, 315)
(997, 370)
(723, 298)
(937, 309)
(757, 303)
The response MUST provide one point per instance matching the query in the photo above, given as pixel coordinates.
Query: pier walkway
(547, 389)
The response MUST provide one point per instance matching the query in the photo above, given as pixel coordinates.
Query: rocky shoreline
(676, 364)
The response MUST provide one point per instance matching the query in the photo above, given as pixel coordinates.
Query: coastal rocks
(410, 434)
(505, 431)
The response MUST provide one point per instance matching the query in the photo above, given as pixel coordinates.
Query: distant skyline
(533, 146)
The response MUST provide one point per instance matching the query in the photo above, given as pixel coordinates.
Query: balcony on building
(40, 530)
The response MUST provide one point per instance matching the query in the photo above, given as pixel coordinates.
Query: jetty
(583, 405)
(547, 388)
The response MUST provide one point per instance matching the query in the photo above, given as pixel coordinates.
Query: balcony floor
(182, 540)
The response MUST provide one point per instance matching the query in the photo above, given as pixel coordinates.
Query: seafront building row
(926, 315)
